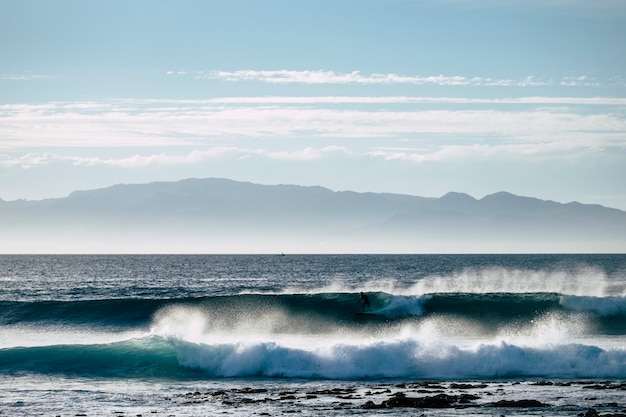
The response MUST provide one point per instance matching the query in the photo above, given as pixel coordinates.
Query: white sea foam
(400, 358)
(432, 348)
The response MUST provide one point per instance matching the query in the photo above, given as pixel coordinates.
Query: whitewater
(244, 334)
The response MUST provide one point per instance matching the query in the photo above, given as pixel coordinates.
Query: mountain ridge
(222, 215)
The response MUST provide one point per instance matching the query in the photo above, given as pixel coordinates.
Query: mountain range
(224, 216)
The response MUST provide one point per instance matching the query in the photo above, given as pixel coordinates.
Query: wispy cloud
(580, 81)
(32, 160)
(23, 77)
(606, 101)
(162, 159)
(135, 161)
(137, 106)
(271, 127)
(308, 153)
(356, 77)
(319, 77)
(480, 152)
(192, 126)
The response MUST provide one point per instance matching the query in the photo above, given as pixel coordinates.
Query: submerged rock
(438, 401)
(519, 404)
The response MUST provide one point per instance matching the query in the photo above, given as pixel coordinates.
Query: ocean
(249, 335)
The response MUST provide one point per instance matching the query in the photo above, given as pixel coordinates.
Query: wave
(112, 313)
(147, 357)
(434, 336)
(604, 306)
(318, 312)
(398, 358)
(405, 358)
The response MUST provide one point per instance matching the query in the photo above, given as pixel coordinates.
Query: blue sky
(406, 96)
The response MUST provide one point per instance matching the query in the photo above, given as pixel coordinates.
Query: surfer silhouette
(366, 300)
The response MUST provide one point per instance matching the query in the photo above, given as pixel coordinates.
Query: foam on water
(429, 349)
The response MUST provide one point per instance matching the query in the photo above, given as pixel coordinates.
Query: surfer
(366, 300)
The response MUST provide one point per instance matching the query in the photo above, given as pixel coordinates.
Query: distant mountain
(224, 216)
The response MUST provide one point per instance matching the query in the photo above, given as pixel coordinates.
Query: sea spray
(583, 280)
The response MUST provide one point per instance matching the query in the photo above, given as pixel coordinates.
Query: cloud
(163, 159)
(427, 152)
(316, 77)
(32, 160)
(24, 77)
(580, 81)
(604, 101)
(308, 153)
(135, 161)
(29, 160)
(479, 152)
(356, 77)
(270, 126)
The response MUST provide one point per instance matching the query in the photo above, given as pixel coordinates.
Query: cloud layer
(357, 77)
(271, 127)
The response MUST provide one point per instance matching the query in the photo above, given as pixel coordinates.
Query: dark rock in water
(438, 401)
(542, 383)
(606, 385)
(248, 390)
(427, 385)
(400, 400)
(370, 405)
(592, 412)
(334, 391)
(467, 386)
(519, 404)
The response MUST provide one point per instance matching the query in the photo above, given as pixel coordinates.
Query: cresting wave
(403, 357)
(434, 336)
(332, 308)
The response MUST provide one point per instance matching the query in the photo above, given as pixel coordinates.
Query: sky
(417, 97)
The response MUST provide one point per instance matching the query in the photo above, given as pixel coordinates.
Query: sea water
(272, 334)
